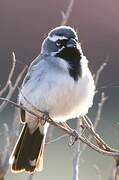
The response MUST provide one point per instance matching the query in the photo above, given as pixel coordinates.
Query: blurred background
(23, 26)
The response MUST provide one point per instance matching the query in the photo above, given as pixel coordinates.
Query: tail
(27, 154)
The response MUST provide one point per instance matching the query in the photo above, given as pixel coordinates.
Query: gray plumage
(58, 82)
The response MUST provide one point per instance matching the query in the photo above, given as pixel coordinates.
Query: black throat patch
(73, 57)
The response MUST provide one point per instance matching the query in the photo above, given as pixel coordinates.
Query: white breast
(60, 95)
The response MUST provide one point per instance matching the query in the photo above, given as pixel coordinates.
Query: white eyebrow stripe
(54, 38)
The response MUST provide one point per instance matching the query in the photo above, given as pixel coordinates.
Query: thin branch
(76, 154)
(9, 134)
(100, 104)
(115, 174)
(13, 88)
(101, 143)
(10, 75)
(105, 151)
(93, 127)
(56, 139)
(65, 15)
(100, 108)
(101, 68)
(5, 153)
(30, 176)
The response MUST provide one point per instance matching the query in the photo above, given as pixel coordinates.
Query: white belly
(60, 95)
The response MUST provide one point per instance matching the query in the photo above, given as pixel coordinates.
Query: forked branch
(101, 146)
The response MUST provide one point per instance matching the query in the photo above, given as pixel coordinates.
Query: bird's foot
(44, 118)
(74, 137)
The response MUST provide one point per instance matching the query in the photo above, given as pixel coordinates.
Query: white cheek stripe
(54, 53)
(54, 38)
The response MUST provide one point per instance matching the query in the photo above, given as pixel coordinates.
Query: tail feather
(27, 150)
(39, 163)
(35, 149)
(20, 151)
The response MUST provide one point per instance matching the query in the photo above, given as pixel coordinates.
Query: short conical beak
(72, 43)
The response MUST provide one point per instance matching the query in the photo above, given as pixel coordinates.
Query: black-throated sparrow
(58, 82)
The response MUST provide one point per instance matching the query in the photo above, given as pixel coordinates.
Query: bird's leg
(74, 136)
(44, 118)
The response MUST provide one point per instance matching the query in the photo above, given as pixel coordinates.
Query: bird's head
(60, 38)
(62, 42)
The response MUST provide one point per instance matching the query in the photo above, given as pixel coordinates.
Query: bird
(58, 82)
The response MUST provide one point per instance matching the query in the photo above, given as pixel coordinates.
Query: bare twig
(97, 119)
(65, 15)
(105, 150)
(10, 75)
(115, 174)
(30, 176)
(9, 135)
(101, 143)
(101, 68)
(99, 111)
(5, 153)
(76, 154)
(55, 140)
(100, 104)
(116, 169)
(12, 88)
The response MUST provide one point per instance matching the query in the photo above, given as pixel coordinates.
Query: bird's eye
(61, 43)
(58, 42)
